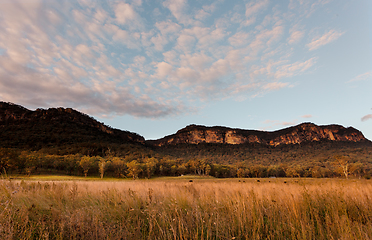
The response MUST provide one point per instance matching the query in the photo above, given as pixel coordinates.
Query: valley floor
(185, 208)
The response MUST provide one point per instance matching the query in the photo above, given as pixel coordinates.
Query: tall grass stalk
(305, 209)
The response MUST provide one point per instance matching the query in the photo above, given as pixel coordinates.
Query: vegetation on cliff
(66, 141)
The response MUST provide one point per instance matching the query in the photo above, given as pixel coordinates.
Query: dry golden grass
(179, 209)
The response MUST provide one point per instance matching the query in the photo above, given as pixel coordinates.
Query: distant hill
(24, 128)
(64, 127)
(305, 132)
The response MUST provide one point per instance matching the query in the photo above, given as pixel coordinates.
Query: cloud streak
(366, 117)
(328, 37)
(362, 77)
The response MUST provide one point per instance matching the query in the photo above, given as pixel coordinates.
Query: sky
(153, 67)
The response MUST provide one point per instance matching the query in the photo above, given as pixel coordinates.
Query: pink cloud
(328, 37)
(366, 117)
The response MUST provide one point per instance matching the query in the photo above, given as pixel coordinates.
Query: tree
(71, 162)
(134, 169)
(103, 164)
(342, 164)
(150, 165)
(8, 159)
(240, 173)
(208, 169)
(357, 169)
(30, 160)
(119, 166)
(86, 163)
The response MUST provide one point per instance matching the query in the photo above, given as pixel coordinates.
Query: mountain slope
(23, 128)
(306, 132)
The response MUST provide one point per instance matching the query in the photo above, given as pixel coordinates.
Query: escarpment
(57, 126)
(306, 132)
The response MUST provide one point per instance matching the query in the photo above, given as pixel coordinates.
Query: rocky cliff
(19, 125)
(306, 132)
(56, 121)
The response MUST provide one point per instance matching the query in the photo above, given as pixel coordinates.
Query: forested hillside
(65, 141)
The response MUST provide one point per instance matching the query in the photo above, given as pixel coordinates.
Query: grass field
(175, 208)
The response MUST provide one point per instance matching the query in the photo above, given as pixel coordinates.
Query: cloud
(178, 9)
(295, 37)
(253, 8)
(197, 61)
(279, 123)
(48, 68)
(293, 69)
(328, 37)
(124, 13)
(307, 116)
(163, 70)
(130, 57)
(362, 77)
(274, 86)
(185, 42)
(168, 27)
(239, 39)
(366, 117)
(201, 14)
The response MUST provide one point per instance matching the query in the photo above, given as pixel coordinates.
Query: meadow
(178, 208)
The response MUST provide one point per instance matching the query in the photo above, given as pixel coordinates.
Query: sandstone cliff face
(305, 132)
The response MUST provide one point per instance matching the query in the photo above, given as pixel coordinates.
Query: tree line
(146, 165)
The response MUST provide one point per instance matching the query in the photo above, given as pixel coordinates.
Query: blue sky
(153, 67)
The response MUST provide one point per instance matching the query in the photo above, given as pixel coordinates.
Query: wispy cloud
(296, 68)
(307, 116)
(274, 123)
(362, 77)
(295, 37)
(328, 37)
(366, 117)
(252, 9)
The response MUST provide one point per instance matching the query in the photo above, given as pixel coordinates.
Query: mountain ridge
(54, 121)
(304, 132)
(21, 126)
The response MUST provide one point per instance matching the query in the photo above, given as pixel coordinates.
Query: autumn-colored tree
(134, 169)
(342, 164)
(103, 164)
(357, 169)
(8, 159)
(119, 166)
(208, 169)
(86, 163)
(31, 161)
(150, 165)
(71, 162)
